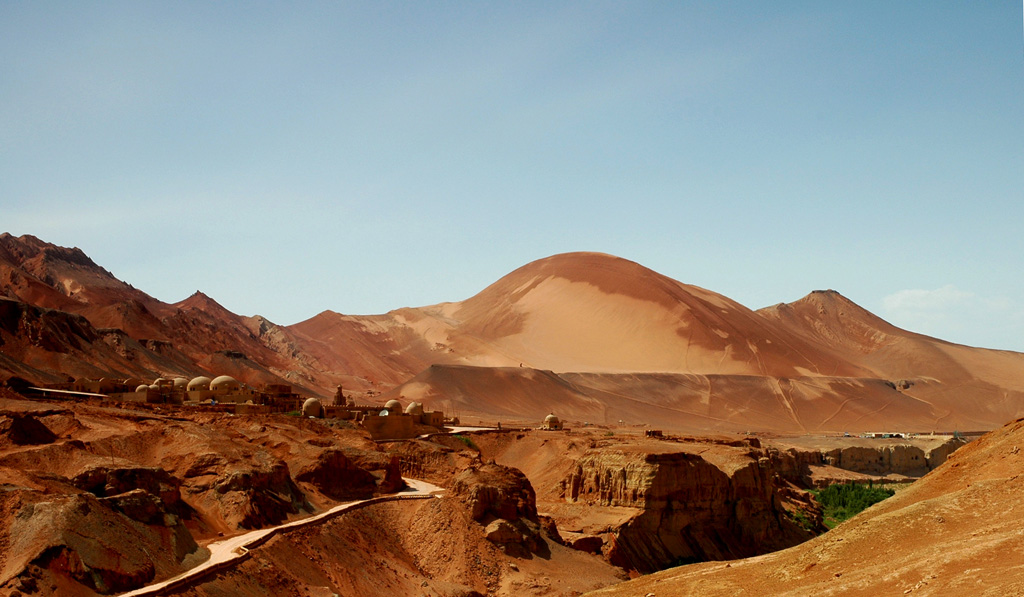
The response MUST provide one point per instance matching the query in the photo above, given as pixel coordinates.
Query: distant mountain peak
(200, 300)
(28, 248)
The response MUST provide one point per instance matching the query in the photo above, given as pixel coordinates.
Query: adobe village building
(201, 390)
(390, 422)
(551, 423)
(227, 393)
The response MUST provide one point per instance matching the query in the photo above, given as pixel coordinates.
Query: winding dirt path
(225, 554)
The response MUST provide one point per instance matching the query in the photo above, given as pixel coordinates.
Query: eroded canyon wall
(690, 508)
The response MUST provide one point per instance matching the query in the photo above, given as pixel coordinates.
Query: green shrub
(469, 443)
(801, 519)
(846, 500)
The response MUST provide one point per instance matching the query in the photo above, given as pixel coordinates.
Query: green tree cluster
(845, 500)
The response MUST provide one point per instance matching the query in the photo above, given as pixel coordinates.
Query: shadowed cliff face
(900, 460)
(738, 502)
(690, 509)
(954, 532)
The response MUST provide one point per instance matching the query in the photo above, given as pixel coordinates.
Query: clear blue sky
(365, 156)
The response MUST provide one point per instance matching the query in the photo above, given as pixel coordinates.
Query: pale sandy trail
(454, 430)
(232, 550)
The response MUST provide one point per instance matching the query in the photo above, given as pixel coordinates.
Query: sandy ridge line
(229, 552)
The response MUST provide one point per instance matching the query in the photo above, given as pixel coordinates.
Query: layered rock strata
(690, 509)
(502, 499)
(900, 460)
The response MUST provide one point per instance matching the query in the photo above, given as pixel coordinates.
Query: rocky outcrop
(46, 329)
(250, 494)
(939, 455)
(689, 509)
(907, 460)
(588, 543)
(99, 543)
(335, 476)
(261, 495)
(103, 481)
(903, 460)
(492, 490)
(502, 499)
(143, 506)
(23, 429)
(392, 480)
(795, 465)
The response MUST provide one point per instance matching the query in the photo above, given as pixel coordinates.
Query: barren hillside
(954, 532)
(595, 337)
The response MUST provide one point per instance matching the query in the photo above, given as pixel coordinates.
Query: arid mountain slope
(67, 316)
(687, 403)
(820, 363)
(827, 318)
(616, 341)
(642, 347)
(954, 532)
(587, 312)
(45, 275)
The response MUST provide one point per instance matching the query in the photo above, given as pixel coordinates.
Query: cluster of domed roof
(395, 407)
(312, 408)
(177, 383)
(223, 383)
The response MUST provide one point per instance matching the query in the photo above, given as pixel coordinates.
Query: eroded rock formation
(335, 476)
(108, 545)
(690, 509)
(23, 429)
(502, 499)
(900, 459)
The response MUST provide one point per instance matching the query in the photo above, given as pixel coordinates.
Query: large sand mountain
(618, 342)
(582, 312)
(592, 336)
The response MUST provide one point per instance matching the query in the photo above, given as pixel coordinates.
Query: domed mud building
(551, 423)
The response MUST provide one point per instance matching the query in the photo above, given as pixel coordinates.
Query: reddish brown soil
(103, 498)
(407, 548)
(955, 532)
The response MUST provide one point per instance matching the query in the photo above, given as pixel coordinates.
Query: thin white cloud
(927, 301)
(957, 315)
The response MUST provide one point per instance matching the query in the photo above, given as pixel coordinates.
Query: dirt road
(232, 550)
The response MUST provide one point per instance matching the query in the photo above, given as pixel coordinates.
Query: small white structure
(552, 422)
(312, 408)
